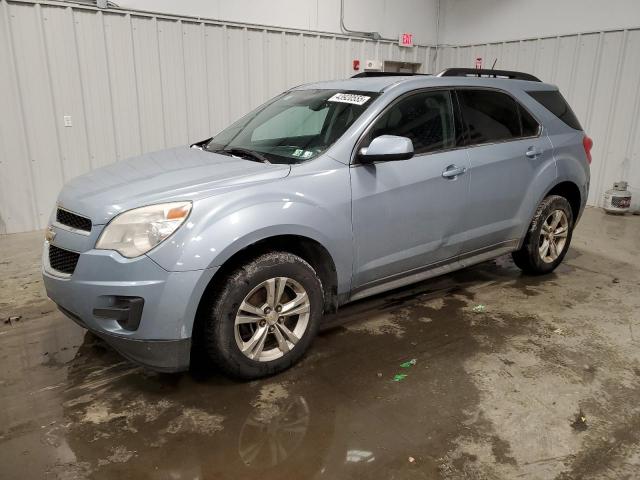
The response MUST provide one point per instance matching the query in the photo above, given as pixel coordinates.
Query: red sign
(356, 64)
(479, 62)
(405, 40)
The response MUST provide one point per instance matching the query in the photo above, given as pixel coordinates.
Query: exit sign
(406, 40)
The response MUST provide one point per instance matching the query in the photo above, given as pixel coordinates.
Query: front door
(408, 214)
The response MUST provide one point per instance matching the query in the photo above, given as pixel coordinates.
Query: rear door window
(553, 101)
(494, 117)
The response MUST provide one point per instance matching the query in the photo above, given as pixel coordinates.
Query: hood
(180, 173)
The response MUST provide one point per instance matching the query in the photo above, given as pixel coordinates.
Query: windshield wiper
(243, 152)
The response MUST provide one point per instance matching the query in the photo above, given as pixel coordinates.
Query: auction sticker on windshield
(349, 98)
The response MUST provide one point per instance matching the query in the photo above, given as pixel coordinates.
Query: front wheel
(548, 237)
(264, 317)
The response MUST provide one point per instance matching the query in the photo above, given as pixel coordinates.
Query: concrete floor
(493, 395)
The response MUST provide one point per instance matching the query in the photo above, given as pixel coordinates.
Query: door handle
(533, 152)
(452, 171)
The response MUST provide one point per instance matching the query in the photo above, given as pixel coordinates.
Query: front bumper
(160, 355)
(162, 339)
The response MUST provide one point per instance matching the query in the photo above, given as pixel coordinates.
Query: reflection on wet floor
(491, 394)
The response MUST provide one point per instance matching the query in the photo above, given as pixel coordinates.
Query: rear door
(507, 150)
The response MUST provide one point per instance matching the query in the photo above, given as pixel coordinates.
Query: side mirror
(386, 148)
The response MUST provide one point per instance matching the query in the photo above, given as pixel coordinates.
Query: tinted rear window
(493, 116)
(553, 101)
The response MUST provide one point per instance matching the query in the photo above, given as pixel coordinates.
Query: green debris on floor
(409, 363)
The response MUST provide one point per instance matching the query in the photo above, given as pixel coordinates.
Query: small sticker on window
(297, 152)
(349, 98)
(307, 154)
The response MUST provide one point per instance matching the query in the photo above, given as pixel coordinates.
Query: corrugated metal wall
(599, 74)
(134, 82)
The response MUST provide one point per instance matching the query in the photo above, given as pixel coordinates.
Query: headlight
(137, 231)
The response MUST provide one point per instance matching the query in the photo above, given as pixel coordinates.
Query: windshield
(294, 127)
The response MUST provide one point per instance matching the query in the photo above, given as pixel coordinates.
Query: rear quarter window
(553, 101)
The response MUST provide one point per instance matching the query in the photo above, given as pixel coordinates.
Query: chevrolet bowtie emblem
(49, 234)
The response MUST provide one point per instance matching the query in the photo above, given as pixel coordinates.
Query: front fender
(222, 226)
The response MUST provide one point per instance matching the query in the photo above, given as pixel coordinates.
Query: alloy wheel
(272, 319)
(553, 236)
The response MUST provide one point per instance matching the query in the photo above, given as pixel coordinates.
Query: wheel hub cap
(272, 318)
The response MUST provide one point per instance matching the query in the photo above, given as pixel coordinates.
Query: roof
(378, 84)
(367, 84)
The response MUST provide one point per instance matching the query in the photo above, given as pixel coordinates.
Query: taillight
(587, 143)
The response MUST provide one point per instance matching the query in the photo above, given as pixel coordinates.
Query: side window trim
(459, 121)
(519, 106)
(456, 118)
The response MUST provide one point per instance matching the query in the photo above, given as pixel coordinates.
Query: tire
(530, 258)
(248, 287)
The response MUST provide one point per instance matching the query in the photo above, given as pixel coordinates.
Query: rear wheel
(264, 317)
(548, 237)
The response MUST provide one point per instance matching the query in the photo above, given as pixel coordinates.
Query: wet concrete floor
(543, 383)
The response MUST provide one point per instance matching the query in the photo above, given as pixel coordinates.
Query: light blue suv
(234, 247)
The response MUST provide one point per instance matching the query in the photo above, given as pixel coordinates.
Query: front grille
(72, 220)
(63, 260)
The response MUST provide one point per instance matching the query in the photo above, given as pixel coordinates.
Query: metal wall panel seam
(184, 80)
(203, 39)
(536, 52)
(334, 42)
(113, 108)
(135, 76)
(501, 51)
(47, 65)
(348, 49)
(594, 80)
(611, 113)
(35, 219)
(574, 67)
(635, 122)
(554, 62)
(164, 114)
(247, 69)
(71, 15)
(265, 64)
(225, 67)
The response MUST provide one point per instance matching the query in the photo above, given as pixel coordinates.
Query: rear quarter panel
(568, 154)
(571, 160)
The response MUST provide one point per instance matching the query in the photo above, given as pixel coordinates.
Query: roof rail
(386, 74)
(481, 72)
